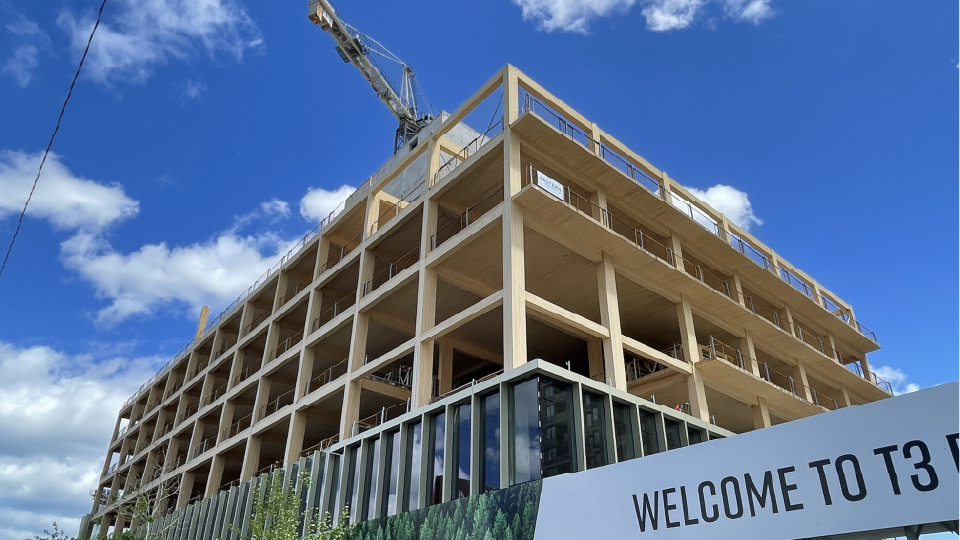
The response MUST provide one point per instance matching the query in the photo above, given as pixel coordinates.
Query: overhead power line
(52, 136)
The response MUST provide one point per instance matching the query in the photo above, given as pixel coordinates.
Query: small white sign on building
(550, 185)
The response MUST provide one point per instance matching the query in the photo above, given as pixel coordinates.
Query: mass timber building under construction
(469, 265)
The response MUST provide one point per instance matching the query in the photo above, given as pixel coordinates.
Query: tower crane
(359, 49)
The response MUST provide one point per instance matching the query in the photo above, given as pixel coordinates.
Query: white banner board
(892, 463)
(550, 185)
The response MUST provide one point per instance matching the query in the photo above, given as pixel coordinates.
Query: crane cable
(55, 130)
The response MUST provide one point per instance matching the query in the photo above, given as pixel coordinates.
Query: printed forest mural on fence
(506, 514)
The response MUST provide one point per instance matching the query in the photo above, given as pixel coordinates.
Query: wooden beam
(563, 319)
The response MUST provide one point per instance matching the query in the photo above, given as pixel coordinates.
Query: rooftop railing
(471, 148)
(529, 103)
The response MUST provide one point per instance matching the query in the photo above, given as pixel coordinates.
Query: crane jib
(356, 48)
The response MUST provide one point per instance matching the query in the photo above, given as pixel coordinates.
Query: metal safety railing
(331, 312)
(322, 445)
(721, 351)
(286, 344)
(529, 103)
(468, 150)
(275, 405)
(470, 215)
(405, 261)
(332, 373)
(235, 428)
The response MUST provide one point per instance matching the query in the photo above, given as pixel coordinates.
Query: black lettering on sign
(819, 465)
(703, 502)
(886, 452)
(687, 520)
(667, 507)
(924, 464)
(858, 474)
(728, 481)
(647, 511)
(954, 449)
(786, 488)
(760, 496)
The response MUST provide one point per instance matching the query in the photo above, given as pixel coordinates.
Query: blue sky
(208, 134)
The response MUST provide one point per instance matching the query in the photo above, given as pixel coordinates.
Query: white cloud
(148, 33)
(156, 275)
(20, 66)
(275, 208)
(66, 200)
(665, 15)
(56, 415)
(730, 201)
(569, 15)
(896, 378)
(753, 11)
(26, 57)
(318, 203)
(660, 15)
(192, 89)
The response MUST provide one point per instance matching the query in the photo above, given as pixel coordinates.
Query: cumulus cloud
(61, 197)
(318, 203)
(897, 379)
(732, 202)
(665, 15)
(148, 33)
(569, 15)
(26, 57)
(753, 11)
(57, 412)
(156, 275)
(660, 15)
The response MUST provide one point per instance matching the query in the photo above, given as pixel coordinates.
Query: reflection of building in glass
(397, 339)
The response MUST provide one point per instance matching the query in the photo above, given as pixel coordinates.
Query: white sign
(892, 463)
(550, 185)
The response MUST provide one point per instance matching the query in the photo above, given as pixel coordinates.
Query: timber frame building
(468, 265)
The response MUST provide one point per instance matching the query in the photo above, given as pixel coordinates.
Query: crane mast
(355, 47)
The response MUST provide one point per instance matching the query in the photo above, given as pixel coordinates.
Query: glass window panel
(673, 433)
(556, 428)
(334, 488)
(373, 460)
(491, 442)
(414, 449)
(594, 430)
(354, 484)
(462, 421)
(694, 435)
(623, 431)
(525, 432)
(648, 432)
(392, 459)
(436, 465)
